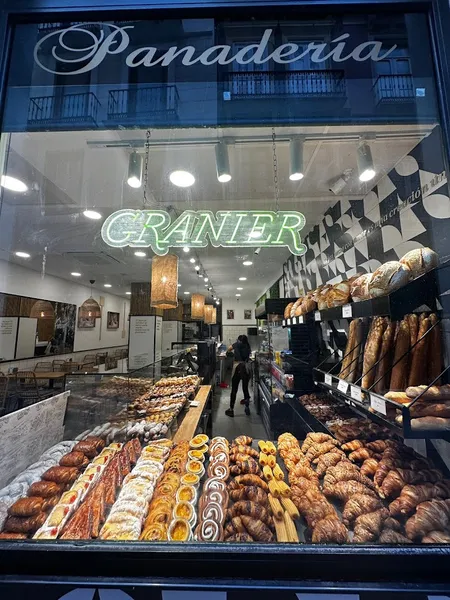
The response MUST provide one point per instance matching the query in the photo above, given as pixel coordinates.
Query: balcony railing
(68, 108)
(266, 84)
(152, 101)
(394, 88)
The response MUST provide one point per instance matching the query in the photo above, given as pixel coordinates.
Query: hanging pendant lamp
(197, 307)
(208, 314)
(164, 287)
(42, 309)
(214, 321)
(90, 309)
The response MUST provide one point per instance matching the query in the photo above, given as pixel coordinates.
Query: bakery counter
(191, 420)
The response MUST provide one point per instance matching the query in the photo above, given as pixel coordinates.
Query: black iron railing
(64, 108)
(307, 84)
(393, 88)
(161, 100)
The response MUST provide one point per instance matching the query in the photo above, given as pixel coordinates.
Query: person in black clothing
(241, 350)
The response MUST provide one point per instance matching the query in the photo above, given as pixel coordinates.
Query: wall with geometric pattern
(409, 208)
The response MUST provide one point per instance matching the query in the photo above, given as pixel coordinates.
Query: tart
(203, 449)
(190, 479)
(196, 467)
(180, 531)
(199, 440)
(184, 510)
(196, 455)
(187, 493)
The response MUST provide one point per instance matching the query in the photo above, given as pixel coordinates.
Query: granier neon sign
(196, 229)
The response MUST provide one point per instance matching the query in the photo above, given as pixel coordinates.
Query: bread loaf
(295, 306)
(418, 373)
(357, 350)
(339, 294)
(420, 260)
(385, 360)
(430, 423)
(308, 305)
(389, 277)
(435, 352)
(359, 289)
(348, 349)
(322, 297)
(399, 374)
(434, 393)
(399, 397)
(372, 351)
(287, 310)
(413, 321)
(430, 409)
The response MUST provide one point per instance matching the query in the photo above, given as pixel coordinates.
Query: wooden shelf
(188, 426)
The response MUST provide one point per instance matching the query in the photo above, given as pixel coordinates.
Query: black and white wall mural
(409, 208)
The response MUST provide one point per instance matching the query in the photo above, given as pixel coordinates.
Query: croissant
(436, 537)
(346, 472)
(396, 480)
(239, 458)
(241, 449)
(257, 529)
(369, 467)
(316, 438)
(360, 455)
(252, 509)
(249, 466)
(302, 485)
(360, 504)
(245, 440)
(389, 536)
(317, 450)
(377, 446)
(384, 467)
(353, 445)
(251, 480)
(239, 537)
(368, 526)
(250, 492)
(330, 459)
(330, 530)
(314, 508)
(429, 516)
(302, 470)
(413, 495)
(344, 490)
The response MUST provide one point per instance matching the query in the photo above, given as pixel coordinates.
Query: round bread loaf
(339, 294)
(420, 260)
(322, 297)
(308, 305)
(295, 306)
(359, 289)
(389, 277)
(287, 310)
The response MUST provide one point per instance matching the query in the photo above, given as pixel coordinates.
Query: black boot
(229, 412)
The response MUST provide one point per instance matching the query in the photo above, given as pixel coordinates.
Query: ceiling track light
(134, 179)
(222, 162)
(365, 162)
(296, 159)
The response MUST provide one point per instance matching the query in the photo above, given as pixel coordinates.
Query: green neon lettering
(178, 233)
(206, 227)
(260, 228)
(288, 234)
(239, 220)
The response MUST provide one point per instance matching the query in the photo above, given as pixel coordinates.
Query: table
(188, 426)
(50, 375)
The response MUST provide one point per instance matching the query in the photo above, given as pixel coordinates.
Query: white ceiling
(70, 171)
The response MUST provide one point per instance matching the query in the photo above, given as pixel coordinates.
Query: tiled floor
(231, 427)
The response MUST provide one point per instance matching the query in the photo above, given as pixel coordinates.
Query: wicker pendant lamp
(90, 309)
(42, 309)
(197, 307)
(214, 321)
(164, 287)
(208, 314)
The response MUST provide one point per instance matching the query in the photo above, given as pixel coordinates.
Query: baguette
(430, 423)
(371, 351)
(418, 370)
(435, 345)
(434, 393)
(399, 397)
(430, 409)
(384, 365)
(348, 349)
(357, 350)
(413, 321)
(399, 375)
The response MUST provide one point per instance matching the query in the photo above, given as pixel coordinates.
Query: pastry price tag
(355, 393)
(288, 321)
(342, 386)
(294, 320)
(328, 379)
(317, 315)
(378, 404)
(347, 311)
(300, 320)
(284, 322)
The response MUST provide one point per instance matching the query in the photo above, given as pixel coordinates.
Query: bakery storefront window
(224, 289)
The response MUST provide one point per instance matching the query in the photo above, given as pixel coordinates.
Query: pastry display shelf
(310, 422)
(419, 293)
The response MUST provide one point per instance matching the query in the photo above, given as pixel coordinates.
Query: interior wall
(15, 279)
(232, 328)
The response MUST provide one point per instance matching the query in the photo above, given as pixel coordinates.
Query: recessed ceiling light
(247, 263)
(13, 184)
(238, 295)
(205, 279)
(128, 293)
(242, 278)
(140, 253)
(192, 260)
(197, 267)
(23, 254)
(206, 285)
(217, 302)
(187, 293)
(255, 234)
(179, 285)
(186, 249)
(200, 275)
(92, 214)
(296, 176)
(107, 285)
(215, 297)
(74, 274)
(182, 178)
(367, 175)
(239, 288)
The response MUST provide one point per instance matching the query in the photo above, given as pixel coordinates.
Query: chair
(90, 367)
(100, 357)
(58, 365)
(26, 388)
(43, 367)
(89, 358)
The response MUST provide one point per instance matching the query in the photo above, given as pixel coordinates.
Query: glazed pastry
(330, 459)
(63, 475)
(330, 530)
(346, 472)
(25, 525)
(26, 507)
(44, 489)
(73, 459)
(89, 448)
(353, 445)
(246, 440)
(360, 504)
(315, 438)
(317, 450)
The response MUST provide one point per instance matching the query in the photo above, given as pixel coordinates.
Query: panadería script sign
(81, 48)
(197, 229)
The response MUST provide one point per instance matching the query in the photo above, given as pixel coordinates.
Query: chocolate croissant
(252, 480)
(257, 529)
(26, 507)
(250, 492)
(431, 515)
(377, 446)
(246, 440)
(389, 536)
(436, 537)
(241, 449)
(413, 495)
(73, 459)
(252, 509)
(45, 489)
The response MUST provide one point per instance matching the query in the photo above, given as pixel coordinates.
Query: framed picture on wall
(112, 320)
(247, 314)
(85, 322)
(230, 315)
